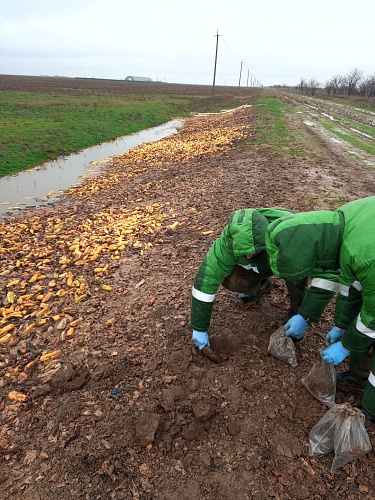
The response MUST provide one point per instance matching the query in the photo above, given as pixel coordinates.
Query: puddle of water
(340, 131)
(45, 184)
(336, 141)
(308, 123)
(328, 116)
(360, 133)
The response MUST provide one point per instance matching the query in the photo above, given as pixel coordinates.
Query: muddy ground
(125, 407)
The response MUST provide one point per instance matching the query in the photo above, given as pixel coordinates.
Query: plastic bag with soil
(282, 347)
(321, 382)
(322, 435)
(351, 440)
(342, 430)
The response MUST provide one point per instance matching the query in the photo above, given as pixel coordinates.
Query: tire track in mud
(314, 112)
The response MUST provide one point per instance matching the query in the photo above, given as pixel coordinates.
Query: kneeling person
(238, 260)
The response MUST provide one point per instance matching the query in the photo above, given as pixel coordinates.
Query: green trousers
(363, 365)
(247, 281)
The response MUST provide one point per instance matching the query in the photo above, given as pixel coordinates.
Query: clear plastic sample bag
(342, 430)
(321, 382)
(282, 347)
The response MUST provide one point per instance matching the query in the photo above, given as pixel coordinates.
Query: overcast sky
(270, 41)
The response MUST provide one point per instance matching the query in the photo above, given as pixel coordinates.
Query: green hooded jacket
(244, 235)
(344, 240)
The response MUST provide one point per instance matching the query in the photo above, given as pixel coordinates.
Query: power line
(253, 81)
(231, 53)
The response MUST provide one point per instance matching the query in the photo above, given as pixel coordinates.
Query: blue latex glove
(296, 327)
(200, 339)
(335, 353)
(333, 336)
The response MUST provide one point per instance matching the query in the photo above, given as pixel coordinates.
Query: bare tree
(350, 84)
(302, 85)
(343, 89)
(352, 80)
(367, 86)
(335, 83)
(328, 87)
(313, 85)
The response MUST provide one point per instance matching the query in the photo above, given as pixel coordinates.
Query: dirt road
(125, 407)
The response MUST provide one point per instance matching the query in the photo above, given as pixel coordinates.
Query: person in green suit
(238, 260)
(343, 240)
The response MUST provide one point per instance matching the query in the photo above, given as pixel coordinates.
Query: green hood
(301, 242)
(245, 232)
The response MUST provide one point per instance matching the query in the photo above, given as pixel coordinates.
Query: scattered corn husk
(5, 338)
(50, 355)
(6, 328)
(18, 397)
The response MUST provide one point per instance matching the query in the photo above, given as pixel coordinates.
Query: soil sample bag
(351, 440)
(322, 435)
(282, 347)
(342, 430)
(321, 382)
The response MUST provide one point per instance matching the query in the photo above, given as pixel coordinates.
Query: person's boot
(245, 298)
(265, 287)
(348, 382)
(369, 420)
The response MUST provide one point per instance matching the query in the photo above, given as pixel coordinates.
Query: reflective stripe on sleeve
(325, 284)
(203, 297)
(344, 290)
(361, 327)
(249, 266)
(371, 379)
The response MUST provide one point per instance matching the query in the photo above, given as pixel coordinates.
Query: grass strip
(40, 127)
(271, 127)
(35, 128)
(356, 141)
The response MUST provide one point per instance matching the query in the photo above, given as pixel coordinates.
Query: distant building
(143, 79)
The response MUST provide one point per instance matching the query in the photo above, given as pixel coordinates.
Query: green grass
(35, 128)
(351, 101)
(362, 127)
(354, 140)
(357, 105)
(271, 126)
(39, 127)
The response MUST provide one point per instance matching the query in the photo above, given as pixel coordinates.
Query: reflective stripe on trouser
(368, 400)
(244, 281)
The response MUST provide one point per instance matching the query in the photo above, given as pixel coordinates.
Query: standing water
(45, 184)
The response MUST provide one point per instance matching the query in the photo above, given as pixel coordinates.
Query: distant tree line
(353, 83)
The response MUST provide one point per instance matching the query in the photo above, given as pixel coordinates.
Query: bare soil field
(76, 86)
(103, 395)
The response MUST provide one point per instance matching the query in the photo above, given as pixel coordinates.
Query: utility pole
(239, 81)
(217, 44)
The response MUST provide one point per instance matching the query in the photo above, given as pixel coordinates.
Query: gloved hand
(335, 353)
(296, 327)
(333, 336)
(200, 339)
